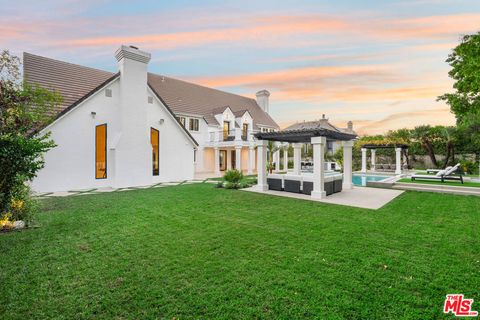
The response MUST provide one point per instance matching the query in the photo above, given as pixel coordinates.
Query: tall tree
(464, 102)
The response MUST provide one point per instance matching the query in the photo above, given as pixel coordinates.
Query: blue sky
(380, 64)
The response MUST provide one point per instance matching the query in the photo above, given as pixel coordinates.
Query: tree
(425, 135)
(464, 102)
(24, 111)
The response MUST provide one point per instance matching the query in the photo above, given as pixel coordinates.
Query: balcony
(236, 134)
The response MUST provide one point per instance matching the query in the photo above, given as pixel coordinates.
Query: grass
(446, 183)
(246, 179)
(193, 251)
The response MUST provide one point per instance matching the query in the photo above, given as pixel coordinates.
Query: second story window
(194, 124)
(245, 131)
(226, 129)
(182, 120)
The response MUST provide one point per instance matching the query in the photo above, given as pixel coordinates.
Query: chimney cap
(132, 53)
(263, 92)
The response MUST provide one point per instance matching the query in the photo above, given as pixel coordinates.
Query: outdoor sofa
(275, 182)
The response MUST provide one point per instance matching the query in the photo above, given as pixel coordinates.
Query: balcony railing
(236, 134)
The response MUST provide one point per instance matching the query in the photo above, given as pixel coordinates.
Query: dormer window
(194, 124)
(245, 131)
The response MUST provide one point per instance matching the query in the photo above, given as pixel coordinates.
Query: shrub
(468, 166)
(219, 184)
(244, 185)
(233, 176)
(232, 185)
(24, 111)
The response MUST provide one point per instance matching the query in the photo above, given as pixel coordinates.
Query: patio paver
(361, 197)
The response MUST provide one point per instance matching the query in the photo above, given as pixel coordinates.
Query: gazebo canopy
(305, 131)
(304, 135)
(385, 146)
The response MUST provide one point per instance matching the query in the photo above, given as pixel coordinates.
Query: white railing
(236, 134)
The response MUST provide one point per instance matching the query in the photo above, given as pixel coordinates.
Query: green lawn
(446, 183)
(193, 251)
(246, 179)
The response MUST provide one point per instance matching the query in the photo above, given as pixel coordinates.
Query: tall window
(226, 129)
(154, 139)
(194, 124)
(101, 151)
(182, 120)
(245, 131)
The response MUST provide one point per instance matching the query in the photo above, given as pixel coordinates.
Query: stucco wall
(71, 165)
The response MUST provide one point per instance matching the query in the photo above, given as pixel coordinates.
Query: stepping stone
(105, 190)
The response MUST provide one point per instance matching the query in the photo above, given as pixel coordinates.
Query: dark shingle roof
(189, 98)
(73, 82)
(318, 124)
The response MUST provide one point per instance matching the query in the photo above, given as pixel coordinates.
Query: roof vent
(163, 79)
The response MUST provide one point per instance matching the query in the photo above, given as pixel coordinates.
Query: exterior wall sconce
(161, 121)
(93, 114)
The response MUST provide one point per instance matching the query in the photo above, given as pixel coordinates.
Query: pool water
(361, 180)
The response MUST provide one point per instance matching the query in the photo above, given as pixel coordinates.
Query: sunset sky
(380, 64)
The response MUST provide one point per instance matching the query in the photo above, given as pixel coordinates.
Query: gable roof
(317, 124)
(71, 81)
(74, 82)
(190, 98)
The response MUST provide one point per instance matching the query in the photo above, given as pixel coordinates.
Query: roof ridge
(203, 86)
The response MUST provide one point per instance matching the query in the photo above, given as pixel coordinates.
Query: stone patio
(360, 197)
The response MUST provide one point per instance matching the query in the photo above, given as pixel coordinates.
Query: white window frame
(192, 126)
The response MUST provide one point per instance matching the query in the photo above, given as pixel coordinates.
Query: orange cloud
(440, 116)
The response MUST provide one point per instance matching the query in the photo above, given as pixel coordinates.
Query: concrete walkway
(109, 189)
(360, 197)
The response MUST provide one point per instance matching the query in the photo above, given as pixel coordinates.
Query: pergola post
(398, 162)
(364, 160)
(217, 160)
(262, 165)
(319, 144)
(251, 159)
(285, 157)
(276, 158)
(297, 158)
(373, 159)
(347, 164)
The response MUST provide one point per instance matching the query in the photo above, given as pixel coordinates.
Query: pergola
(373, 148)
(318, 138)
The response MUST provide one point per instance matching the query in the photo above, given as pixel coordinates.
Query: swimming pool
(361, 179)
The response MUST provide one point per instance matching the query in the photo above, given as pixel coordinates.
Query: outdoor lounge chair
(292, 183)
(437, 170)
(275, 182)
(441, 175)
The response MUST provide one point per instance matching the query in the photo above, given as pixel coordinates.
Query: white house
(135, 128)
